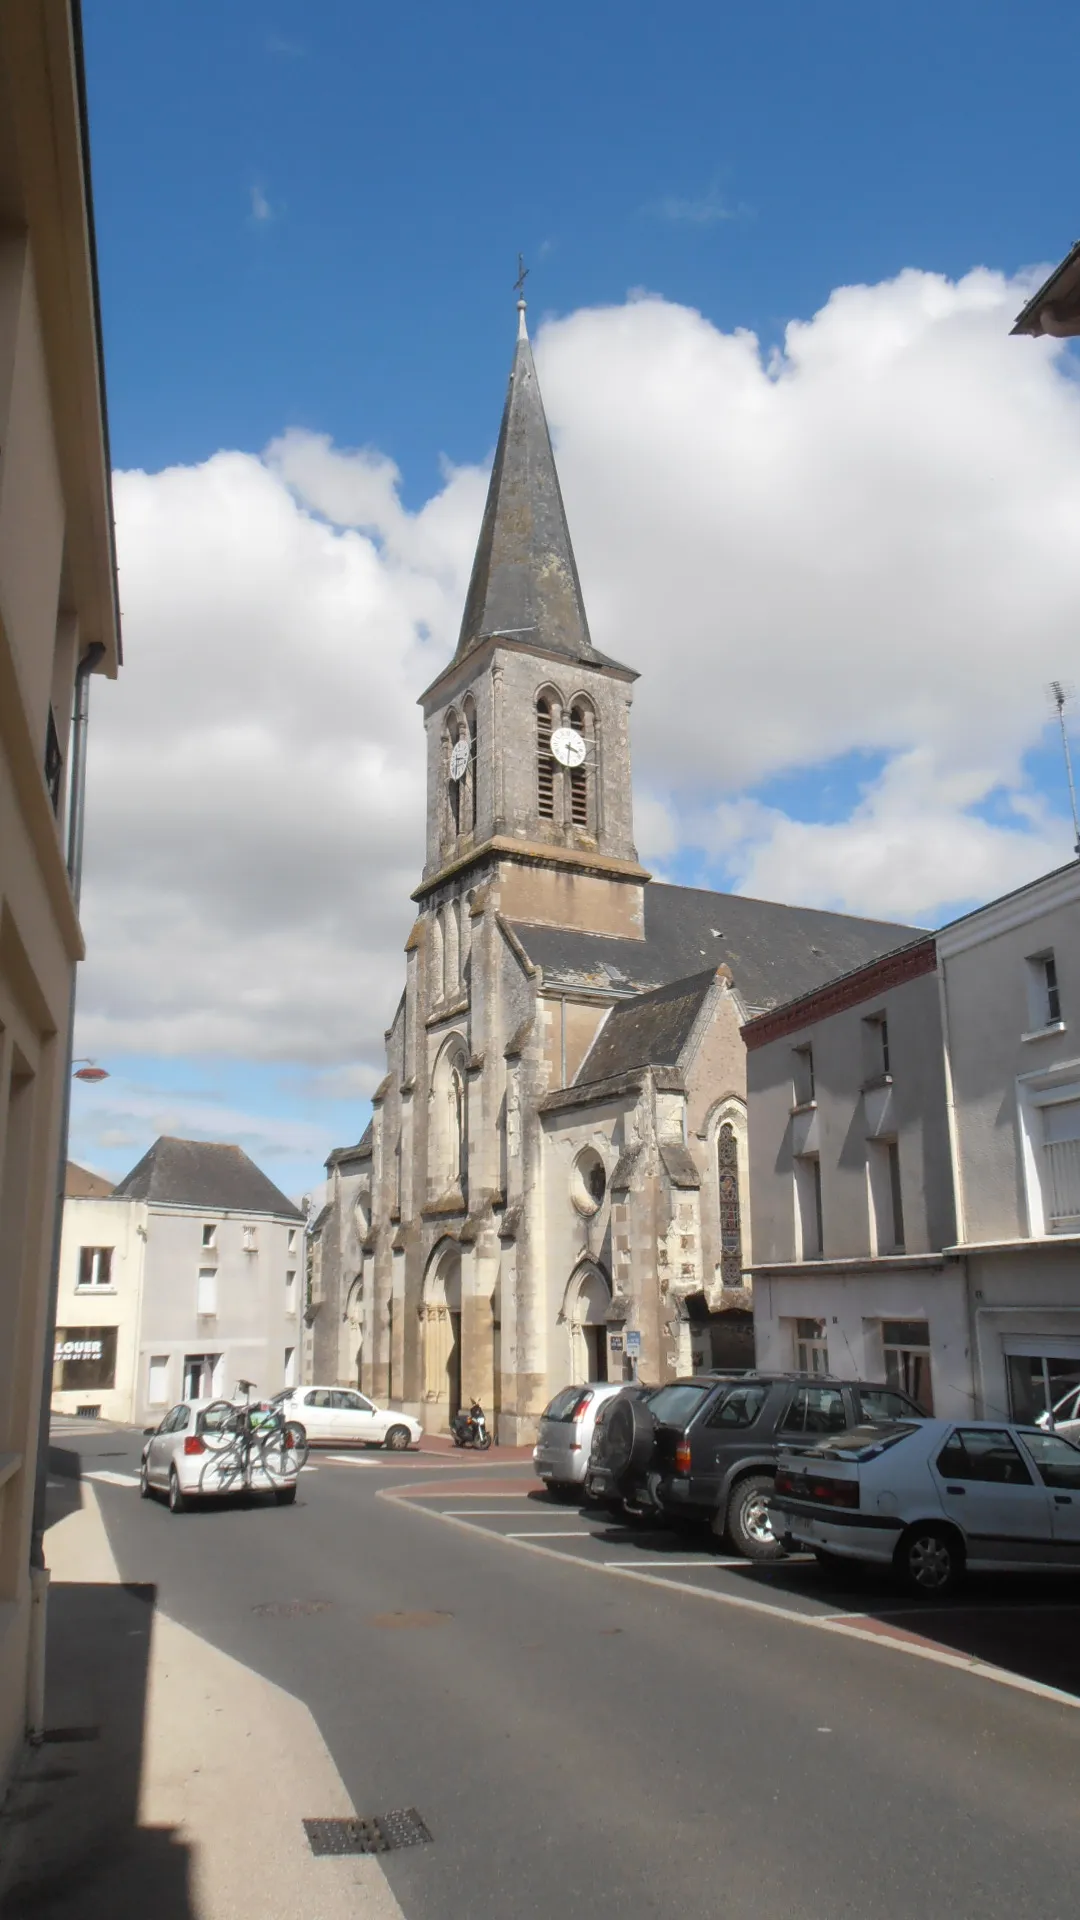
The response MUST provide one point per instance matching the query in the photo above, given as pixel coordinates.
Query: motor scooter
(470, 1429)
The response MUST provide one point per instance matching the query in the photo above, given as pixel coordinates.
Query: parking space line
(480, 1513)
(703, 1566)
(576, 1535)
(112, 1479)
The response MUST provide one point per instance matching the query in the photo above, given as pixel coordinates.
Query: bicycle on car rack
(251, 1446)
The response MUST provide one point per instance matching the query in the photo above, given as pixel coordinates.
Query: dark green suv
(705, 1449)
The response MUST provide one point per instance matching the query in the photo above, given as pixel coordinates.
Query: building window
(95, 1268)
(876, 1061)
(809, 1217)
(251, 1239)
(1061, 1165)
(906, 1346)
(84, 1357)
(54, 762)
(803, 1088)
(545, 764)
(292, 1239)
(1044, 1386)
(201, 1376)
(209, 1234)
(157, 1391)
(290, 1290)
(811, 1347)
(727, 1163)
(588, 1181)
(289, 1370)
(582, 720)
(886, 1196)
(206, 1301)
(1044, 994)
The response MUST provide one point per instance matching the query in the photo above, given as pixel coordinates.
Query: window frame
(93, 1266)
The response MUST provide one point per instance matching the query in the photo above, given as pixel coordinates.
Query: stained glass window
(727, 1154)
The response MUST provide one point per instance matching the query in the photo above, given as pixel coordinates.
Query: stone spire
(524, 580)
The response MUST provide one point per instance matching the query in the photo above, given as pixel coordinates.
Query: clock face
(568, 746)
(459, 759)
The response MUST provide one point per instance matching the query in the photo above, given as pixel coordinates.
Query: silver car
(565, 1436)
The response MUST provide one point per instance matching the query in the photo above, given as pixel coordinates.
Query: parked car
(188, 1457)
(932, 1499)
(706, 1448)
(339, 1416)
(1065, 1418)
(600, 1491)
(565, 1435)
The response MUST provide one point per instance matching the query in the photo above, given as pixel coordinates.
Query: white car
(564, 1436)
(191, 1456)
(340, 1416)
(934, 1498)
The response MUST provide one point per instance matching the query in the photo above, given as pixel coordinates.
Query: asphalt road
(579, 1738)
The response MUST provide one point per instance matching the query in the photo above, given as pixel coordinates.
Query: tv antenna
(1060, 693)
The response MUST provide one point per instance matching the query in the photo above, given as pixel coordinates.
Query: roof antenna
(519, 289)
(1059, 693)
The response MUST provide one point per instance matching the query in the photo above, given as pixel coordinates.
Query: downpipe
(39, 1572)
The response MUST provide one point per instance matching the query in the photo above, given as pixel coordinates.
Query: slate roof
(202, 1173)
(81, 1184)
(525, 580)
(362, 1150)
(775, 952)
(646, 1030)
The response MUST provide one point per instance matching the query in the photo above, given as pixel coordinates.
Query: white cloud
(704, 210)
(261, 210)
(867, 542)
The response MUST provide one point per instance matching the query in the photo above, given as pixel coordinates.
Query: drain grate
(382, 1833)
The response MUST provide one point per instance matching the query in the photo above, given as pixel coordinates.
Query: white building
(188, 1279)
(914, 1141)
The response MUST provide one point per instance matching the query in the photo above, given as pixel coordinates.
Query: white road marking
(705, 1566)
(345, 1460)
(112, 1479)
(827, 1623)
(546, 1536)
(483, 1513)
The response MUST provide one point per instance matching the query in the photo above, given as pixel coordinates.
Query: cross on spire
(519, 283)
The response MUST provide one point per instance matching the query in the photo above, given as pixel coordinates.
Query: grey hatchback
(565, 1434)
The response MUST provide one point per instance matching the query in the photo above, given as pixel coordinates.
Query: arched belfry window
(545, 763)
(448, 1131)
(451, 734)
(583, 778)
(467, 803)
(727, 1167)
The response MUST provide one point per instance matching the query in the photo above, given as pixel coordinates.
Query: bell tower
(528, 725)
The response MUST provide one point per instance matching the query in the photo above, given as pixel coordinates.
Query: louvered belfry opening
(545, 765)
(579, 776)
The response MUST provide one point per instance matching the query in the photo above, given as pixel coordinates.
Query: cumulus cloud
(863, 542)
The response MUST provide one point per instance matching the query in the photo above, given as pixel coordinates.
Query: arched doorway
(585, 1311)
(441, 1317)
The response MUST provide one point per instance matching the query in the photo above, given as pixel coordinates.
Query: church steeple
(524, 580)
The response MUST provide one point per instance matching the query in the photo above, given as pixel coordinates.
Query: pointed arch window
(583, 721)
(727, 1159)
(545, 764)
(467, 800)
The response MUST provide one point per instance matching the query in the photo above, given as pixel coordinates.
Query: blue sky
(309, 217)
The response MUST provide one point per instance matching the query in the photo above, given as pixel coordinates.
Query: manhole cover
(410, 1619)
(381, 1833)
(290, 1609)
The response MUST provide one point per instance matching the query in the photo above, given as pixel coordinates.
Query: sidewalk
(173, 1780)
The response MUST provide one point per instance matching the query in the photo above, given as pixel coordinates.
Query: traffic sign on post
(633, 1342)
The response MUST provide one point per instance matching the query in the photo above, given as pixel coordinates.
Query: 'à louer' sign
(78, 1350)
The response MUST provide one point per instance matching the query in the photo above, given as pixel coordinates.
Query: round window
(588, 1182)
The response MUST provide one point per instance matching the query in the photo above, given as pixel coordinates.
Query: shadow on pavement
(70, 1842)
(64, 1476)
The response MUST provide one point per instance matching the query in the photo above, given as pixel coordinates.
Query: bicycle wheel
(220, 1426)
(284, 1451)
(223, 1469)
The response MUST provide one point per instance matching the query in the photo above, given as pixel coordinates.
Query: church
(552, 1187)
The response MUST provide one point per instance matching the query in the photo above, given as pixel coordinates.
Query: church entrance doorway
(585, 1311)
(441, 1331)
